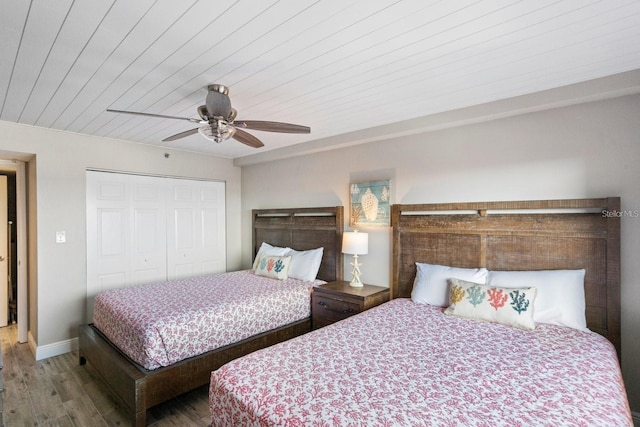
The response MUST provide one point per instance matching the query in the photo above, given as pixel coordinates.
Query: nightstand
(337, 300)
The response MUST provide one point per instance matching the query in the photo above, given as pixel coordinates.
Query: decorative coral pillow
(267, 249)
(510, 307)
(273, 266)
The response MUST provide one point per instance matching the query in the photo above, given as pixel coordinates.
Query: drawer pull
(345, 311)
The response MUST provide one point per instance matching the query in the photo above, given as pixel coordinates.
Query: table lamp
(355, 243)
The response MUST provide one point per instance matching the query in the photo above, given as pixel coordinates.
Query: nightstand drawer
(338, 300)
(332, 309)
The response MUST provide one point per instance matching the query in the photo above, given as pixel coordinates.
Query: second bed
(151, 343)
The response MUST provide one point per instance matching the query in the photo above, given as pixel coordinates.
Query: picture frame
(370, 203)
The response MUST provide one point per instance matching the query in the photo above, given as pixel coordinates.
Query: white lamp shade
(355, 243)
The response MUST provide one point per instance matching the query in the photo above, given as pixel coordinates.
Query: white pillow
(560, 299)
(305, 264)
(430, 285)
(267, 249)
(506, 306)
(275, 267)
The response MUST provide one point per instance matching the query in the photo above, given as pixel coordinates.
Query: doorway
(15, 302)
(8, 253)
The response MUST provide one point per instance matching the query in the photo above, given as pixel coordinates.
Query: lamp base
(355, 282)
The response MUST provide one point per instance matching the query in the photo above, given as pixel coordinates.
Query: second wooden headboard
(303, 229)
(519, 235)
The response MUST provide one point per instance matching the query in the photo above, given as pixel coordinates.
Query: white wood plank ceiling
(337, 66)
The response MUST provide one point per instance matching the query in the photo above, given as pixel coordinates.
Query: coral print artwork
(370, 203)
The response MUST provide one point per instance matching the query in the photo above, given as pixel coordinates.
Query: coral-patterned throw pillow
(510, 307)
(273, 266)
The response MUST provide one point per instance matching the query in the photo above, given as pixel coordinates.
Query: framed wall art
(370, 204)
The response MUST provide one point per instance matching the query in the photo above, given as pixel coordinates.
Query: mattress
(160, 324)
(407, 364)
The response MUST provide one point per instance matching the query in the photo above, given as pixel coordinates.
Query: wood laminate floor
(59, 392)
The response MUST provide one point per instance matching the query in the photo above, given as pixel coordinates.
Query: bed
(138, 388)
(409, 364)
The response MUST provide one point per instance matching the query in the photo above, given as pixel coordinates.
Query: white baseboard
(51, 350)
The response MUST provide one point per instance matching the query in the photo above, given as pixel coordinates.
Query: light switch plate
(60, 237)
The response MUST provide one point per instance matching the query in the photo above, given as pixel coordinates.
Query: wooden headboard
(519, 235)
(303, 229)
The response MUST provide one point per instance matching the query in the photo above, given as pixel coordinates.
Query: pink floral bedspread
(161, 324)
(405, 364)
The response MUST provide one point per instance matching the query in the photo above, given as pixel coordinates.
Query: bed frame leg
(140, 419)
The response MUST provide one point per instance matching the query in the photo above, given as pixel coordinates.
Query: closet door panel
(213, 227)
(113, 261)
(213, 232)
(148, 261)
(182, 244)
(148, 252)
(196, 209)
(108, 236)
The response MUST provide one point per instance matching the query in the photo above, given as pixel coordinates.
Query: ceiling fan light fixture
(217, 134)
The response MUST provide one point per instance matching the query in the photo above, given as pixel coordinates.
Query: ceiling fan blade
(181, 135)
(271, 126)
(161, 116)
(247, 138)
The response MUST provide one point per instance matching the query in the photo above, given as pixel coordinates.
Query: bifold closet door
(196, 243)
(126, 230)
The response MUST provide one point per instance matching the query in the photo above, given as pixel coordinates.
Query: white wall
(56, 184)
(584, 151)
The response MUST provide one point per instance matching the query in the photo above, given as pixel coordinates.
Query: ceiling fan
(218, 121)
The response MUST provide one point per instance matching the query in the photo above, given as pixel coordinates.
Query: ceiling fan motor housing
(218, 102)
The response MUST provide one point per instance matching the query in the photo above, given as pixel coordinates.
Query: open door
(20, 263)
(21, 233)
(5, 286)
